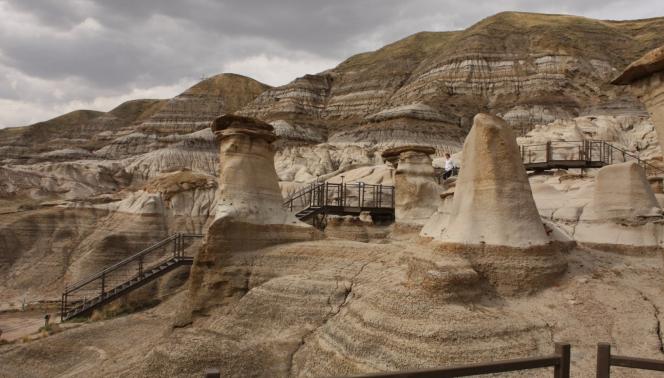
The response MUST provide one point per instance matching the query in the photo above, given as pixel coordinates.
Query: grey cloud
(146, 43)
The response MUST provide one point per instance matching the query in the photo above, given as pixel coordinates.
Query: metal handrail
(87, 280)
(592, 151)
(79, 284)
(108, 277)
(302, 192)
(320, 193)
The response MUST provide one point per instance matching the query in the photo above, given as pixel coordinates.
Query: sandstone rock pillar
(248, 183)
(622, 192)
(493, 203)
(624, 213)
(249, 216)
(417, 195)
(493, 219)
(645, 77)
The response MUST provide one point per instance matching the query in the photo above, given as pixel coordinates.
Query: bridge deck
(342, 199)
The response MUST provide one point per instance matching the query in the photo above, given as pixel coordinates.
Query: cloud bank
(58, 56)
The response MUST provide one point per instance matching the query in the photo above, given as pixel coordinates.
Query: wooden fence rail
(560, 361)
(605, 360)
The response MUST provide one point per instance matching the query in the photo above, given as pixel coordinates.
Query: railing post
(326, 193)
(360, 195)
(63, 306)
(603, 360)
(380, 195)
(343, 194)
(563, 351)
(140, 266)
(548, 151)
(175, 245)
(103, 283)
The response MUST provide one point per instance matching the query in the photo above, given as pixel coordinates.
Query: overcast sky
(61, 55)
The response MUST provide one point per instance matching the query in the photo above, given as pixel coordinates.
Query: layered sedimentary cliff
(515, 64)
(85, 189)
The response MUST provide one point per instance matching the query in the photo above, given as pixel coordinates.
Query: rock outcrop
(426, 88)
(493, 219)
(624, 214)
(622, 191)
(249, 215)
(493, 203)
(195, 108)
(417, 193)
(646, 79)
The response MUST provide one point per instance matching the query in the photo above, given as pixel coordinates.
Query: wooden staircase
(81, 298)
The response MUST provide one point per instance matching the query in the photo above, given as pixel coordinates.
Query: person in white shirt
(449, 166)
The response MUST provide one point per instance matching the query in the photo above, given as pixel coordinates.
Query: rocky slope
(81, 191)
(71, 184)
(529, 68)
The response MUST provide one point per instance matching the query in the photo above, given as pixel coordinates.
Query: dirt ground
(603, 297)
(15, 325)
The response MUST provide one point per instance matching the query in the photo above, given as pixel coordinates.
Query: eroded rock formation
(646, 79)
(249, 215)
(623, 213)
(493, 219)
(417, 193)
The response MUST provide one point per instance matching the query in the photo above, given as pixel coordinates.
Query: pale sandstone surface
(249, 215)
(417, 194)
(88, 188)
(614, 210)
(492, 202)
(646, 80)
(337, 307)
(622, 192)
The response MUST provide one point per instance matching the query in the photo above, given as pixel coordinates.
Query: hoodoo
(493, 219)
(417, 194)
(249, 214)
(624, 213)
(492, 202)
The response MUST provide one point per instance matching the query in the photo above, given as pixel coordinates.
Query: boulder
(624, 214)
(622, 191)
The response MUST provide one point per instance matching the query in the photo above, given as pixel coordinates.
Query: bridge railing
(594, 153)
(176, 246)
(342, 195)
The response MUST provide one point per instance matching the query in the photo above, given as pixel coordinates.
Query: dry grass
(237, 90)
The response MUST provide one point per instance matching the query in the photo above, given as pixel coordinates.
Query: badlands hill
(529, 68)
(532, 69)
(86, 189)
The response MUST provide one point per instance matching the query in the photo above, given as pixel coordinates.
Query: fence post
(63, 306)
(380, 195)
(103, 283)
(212, 373)
(603, 360)
(326, 193)
(360, 194)
(563, 351)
